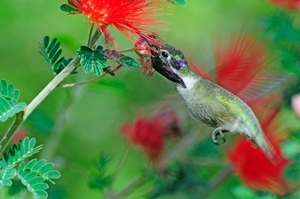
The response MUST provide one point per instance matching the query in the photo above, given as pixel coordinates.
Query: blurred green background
(95, 112)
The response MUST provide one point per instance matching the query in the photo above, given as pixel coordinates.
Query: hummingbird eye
(164, 54)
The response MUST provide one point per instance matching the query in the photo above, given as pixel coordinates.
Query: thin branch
(91, 80)
(222, 176)
(41, 96)
(10, 132)
(126, 190)
(203, 161)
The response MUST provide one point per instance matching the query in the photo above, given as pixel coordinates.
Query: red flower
(131, 17)
(19, 135)
(239, 65)
(147, 134)
(254, 167)
(288, 4)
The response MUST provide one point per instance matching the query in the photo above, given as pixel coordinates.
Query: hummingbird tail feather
(269, 151)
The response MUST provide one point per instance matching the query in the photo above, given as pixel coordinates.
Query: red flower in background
(240, 67)
(130, 17)
(149, 134)
(254, 167)
(19, 135)
(288, 4)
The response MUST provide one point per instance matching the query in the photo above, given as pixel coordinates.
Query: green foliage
(16, 189)
(51, 52)
(69, 8)
(92, 60)
(100, 179)
(178, 178)
(121, 59)
(57, 192)
(40, 121)
(179, 2)
(25, 149)
(9, 96)
(285, 38)
(34, 175)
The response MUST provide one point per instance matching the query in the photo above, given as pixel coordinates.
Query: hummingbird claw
(214, 136)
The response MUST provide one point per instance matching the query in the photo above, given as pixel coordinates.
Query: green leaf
(70, 8)
(129, 61)
(101, 179)
(8, 110)
(179, 2)
(33, 183)
(51, 52)
(291, 148)
(8, 91)
(92, 60)
(7, 173)
(33, 175)
(16, 189)
(242, 191)
(42, 168)
(20, 152)
(121, 59)
(9, 96)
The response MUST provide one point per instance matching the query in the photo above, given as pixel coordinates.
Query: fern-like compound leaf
(8, 91)
(179, 2)
(42, 167)
(34, 175)
(33, 183)
(70, 8)
(51, 52)
(20, 152)
(7, 173)
(9, 96)
(122, 59)
(92, 60)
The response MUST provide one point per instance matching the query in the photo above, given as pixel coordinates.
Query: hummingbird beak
(167, 72)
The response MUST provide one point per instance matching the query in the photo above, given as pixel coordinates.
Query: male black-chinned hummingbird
(210, 103)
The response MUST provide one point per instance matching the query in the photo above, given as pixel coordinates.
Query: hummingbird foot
(218, 132)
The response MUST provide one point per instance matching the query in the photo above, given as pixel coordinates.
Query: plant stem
(41, 96)
(222, 176)
(126, 190)
(89, 81)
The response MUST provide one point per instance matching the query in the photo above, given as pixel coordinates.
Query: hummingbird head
(170, 62)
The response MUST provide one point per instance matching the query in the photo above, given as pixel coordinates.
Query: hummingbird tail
(269, 151)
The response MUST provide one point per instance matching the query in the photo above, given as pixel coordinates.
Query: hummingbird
(209, 102)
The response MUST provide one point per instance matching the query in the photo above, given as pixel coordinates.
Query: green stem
(41, 96)
(219, 179)
(89, 81)
(11, 131)
(127, 190)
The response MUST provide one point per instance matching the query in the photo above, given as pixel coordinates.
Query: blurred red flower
(130, 17)
(254, 167)
(240, 66)
(288, 4)
(19, 135)
(149, 133)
